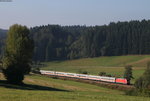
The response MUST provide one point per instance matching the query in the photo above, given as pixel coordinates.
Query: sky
(71, 12)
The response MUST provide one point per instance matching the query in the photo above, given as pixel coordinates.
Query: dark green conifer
(128, 73)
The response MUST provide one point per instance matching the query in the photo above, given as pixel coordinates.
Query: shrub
(144, 81)
(84, 72)
(102, 74)
(35, 70)
(142, 84)
(109, 75)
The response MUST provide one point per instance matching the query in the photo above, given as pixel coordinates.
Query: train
(86, 77)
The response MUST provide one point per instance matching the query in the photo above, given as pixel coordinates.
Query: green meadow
(113, 65)
(39, 88)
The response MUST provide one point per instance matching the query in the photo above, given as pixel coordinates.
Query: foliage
(18, 54)
(82, 72)
(102, 73)
(142, 84)
(35, 70)
(109, 75)
(128, 73)
(144, 81)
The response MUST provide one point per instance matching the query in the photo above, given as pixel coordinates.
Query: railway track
(116, 86)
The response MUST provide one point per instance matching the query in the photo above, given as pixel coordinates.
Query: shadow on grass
(5, 84)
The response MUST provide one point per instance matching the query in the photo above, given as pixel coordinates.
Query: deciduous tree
(18, 54)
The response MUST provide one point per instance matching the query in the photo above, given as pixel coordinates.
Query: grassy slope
(59, 90)
(135, 60)
(47, 89)
(112, 65)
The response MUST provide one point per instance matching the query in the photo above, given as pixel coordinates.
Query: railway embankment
(115, 86)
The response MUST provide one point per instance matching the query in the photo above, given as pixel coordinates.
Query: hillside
(113, 65)
(40, 88)
(55, 42)
(135, 60)
(2, 38)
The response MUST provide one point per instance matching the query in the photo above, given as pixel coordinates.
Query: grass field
(111, 65)
(40, 88)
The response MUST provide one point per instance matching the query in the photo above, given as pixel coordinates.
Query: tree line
(55, 42)
(2, 38)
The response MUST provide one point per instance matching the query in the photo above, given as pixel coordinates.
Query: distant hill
(55, 42)
(3, 33)
(2, 38)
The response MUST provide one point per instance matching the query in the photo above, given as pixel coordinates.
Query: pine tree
(128, 73)
(18, 54)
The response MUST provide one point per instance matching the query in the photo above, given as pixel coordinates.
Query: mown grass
(113, 65)
(41, 88)
(111, 61)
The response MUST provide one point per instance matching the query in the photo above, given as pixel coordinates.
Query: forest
(2, 40)
(55, 42)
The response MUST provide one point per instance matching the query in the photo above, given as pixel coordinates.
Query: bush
(35, 70)
(139, 83)
(83, 72)
(142, 84)
(109, 75)
(144, 81)
(102, 74)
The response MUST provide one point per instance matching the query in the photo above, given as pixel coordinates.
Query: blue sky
(71, 12)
